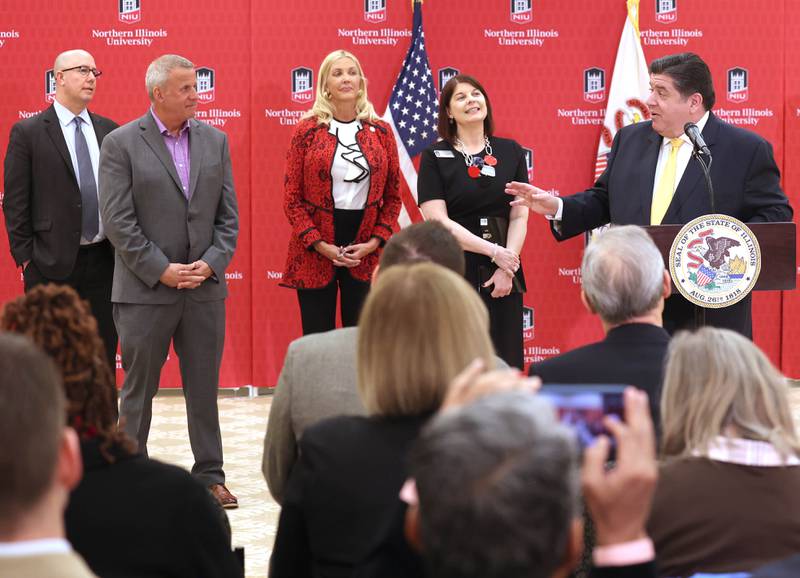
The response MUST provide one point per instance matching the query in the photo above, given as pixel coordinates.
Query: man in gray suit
(318, 379)
(169, 208)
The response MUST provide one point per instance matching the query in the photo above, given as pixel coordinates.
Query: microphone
(696, 137)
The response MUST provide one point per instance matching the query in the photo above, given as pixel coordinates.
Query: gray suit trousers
(197, 331)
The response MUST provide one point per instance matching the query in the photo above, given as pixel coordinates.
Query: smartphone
(583, 407)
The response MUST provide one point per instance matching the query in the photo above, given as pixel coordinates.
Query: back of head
(718, 383)
(498, 489)
(622, 274)
(56, 319)
(31, 424)
(420, 326)
(425, 241)
(689, 73)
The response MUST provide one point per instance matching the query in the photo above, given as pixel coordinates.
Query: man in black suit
(624, 283)
(51, 204)
(651, 180)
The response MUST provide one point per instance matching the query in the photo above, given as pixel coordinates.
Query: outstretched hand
(536, 199)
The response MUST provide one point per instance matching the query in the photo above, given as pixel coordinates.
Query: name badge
(444, 154)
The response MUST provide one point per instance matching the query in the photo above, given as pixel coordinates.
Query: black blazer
(140, 517)
(342, 494)
(42, 203)
(746, 183)
(630, 354)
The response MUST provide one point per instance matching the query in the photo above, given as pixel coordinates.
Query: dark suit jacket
(140, 517)
(746, 184)
(341, 494)
(42, 203)
(631, 354)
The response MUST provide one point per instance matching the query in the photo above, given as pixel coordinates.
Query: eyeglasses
(84, 70)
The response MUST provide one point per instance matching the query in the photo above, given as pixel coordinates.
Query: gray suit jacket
(318, 381)
(150, 222)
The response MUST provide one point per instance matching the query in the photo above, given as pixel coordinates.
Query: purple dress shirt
(178, 147)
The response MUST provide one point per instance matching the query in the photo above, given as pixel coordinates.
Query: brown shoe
(223, 496)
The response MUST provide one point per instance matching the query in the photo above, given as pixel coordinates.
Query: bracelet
(494, 253)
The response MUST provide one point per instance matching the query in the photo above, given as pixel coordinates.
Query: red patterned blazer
(308, 199)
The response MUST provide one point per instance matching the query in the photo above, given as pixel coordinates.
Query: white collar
(66, 116)
(745, 452)
(35, 547)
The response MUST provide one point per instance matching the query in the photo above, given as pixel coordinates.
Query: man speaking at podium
(652, 179)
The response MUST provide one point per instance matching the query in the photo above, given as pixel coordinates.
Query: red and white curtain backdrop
(546, 64)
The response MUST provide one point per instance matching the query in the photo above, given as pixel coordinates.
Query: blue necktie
(90, 218)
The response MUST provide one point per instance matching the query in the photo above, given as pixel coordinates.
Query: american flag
(705, 275)
(412, 113)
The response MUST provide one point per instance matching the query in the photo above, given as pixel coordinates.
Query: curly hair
(56, 319)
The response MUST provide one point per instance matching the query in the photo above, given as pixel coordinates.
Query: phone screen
(582, 407)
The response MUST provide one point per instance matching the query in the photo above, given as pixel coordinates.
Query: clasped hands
(507, 262)
(348, 256)
(186, 275)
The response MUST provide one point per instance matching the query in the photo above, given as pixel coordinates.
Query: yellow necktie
(666, 185)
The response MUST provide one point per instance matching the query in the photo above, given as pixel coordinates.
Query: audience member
(130, 516)
(420, 326)
(41, 462)
(623, 281)
(318, 378)
(727, 498)
(498, 492)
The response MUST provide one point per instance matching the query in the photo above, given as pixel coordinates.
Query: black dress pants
(92, 278)
(318, 306)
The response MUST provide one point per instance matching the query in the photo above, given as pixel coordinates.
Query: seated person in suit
(623, 281)
(496, 492)
(420, 326)
(727, 497)
(318, 378)
(129, 516)
(41, 462)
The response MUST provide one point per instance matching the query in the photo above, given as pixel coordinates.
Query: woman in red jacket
(341, 196)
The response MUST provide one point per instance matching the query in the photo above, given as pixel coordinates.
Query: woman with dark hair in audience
(130, 516)
(462, 181)
(727, 498)
(420, 326)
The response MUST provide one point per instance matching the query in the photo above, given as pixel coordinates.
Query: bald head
(74, 89)
(70, 58)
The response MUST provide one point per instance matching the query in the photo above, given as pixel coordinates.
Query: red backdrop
(531, 61)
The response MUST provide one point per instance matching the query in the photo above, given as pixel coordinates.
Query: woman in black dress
(461, 183)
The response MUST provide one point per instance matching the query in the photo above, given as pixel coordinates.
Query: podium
(778, 252)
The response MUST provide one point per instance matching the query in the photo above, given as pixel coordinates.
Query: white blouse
(349, 171)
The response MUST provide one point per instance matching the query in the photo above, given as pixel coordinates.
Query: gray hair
(622, 273)
(498, 485)
(158, 71)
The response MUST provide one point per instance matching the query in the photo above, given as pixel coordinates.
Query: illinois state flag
(630, 84)
(412, 113)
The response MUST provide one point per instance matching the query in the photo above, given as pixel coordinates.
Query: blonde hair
(323, 108)
(718, 383)
(421, 325)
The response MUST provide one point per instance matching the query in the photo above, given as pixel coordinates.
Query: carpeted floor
(243, 421)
